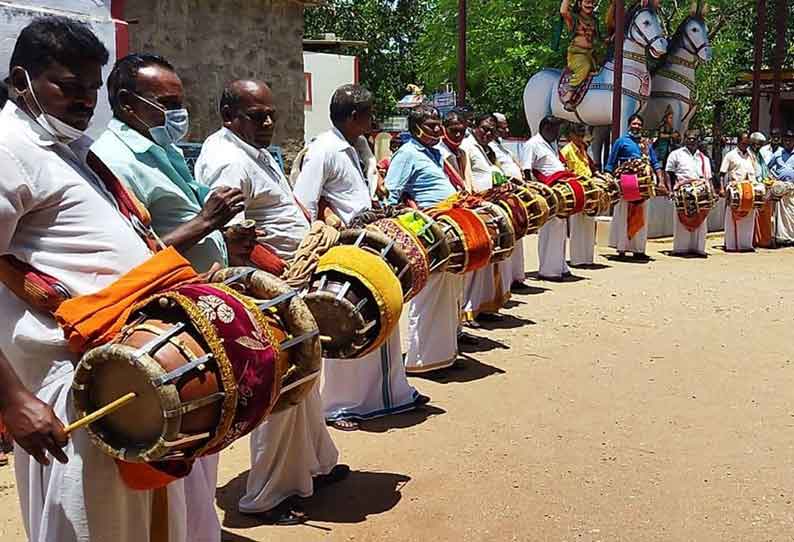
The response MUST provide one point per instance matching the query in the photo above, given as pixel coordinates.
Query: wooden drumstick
(101, 413)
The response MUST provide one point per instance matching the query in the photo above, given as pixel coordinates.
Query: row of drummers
(206, 363)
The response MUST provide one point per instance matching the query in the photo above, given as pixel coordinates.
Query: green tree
(391, 29)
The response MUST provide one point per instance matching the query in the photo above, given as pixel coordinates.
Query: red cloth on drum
(691, 223)
(558, 176)
(746, 203)
(636, 219)
(478, 240)
(578, 191)
(265, 259)
(92, 320)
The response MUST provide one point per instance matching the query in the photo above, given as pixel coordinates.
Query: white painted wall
(14, 16)
(328, 72)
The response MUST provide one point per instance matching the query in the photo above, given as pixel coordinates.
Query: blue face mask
(175, 126)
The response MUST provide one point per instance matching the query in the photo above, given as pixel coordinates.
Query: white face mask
(175, 127)
(52, 125)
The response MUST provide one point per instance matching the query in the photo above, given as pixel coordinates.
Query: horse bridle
(648, 42)
(689, 43)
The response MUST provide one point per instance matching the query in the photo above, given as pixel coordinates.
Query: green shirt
(161, 180)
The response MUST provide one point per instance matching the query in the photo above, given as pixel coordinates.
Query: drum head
(375, 242)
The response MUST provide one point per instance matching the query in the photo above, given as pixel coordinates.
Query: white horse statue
(673, 83)
(644, 36)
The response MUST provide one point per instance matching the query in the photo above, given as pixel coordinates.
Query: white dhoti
(287, 451)
(84, 500)
(551, 249)
(196, 502)
(618, 230)
(689, 242)
(784, 220)
(582, 231)
(517, 265)
(739, 233)
(368, 387)
(432, 325)
(484, 292)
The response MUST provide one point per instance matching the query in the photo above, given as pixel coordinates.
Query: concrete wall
(211, 41)
(325, 72)
(96, 13)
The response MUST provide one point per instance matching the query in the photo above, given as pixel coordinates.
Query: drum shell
(375, 242)
(412, 248)
(694, 198)
(434, 241)
(500, 229)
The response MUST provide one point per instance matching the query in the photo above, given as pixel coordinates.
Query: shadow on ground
(628, 259)
(590, 266)
(568, 278)
(402, 420)
(352, 500)
(688, 256)
(466, 369)
(507, 321)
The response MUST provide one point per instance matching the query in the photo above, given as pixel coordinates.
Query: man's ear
(227, 115)
(125, 97)
(17, 80)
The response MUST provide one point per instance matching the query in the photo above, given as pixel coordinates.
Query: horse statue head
(692, 34)
(644, 27)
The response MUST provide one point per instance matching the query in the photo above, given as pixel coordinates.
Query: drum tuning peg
(164, 302)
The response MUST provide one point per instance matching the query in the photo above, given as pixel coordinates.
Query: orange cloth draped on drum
(691, 223)
(478, 240)
(746, 202)
(92, 320)
(763, 226)
(636, 218)
(376, 276)
(265, 259)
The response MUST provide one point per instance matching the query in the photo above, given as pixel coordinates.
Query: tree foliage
(391, 29)
(414, 41)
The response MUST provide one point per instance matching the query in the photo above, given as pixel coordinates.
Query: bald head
(248, 111)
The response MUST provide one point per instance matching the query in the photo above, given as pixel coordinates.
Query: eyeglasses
(260, 117)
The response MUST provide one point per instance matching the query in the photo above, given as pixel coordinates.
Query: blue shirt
(782, 165)
(417, 172)
(625, 149)
(161, 180)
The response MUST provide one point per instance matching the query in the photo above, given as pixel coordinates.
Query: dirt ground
(640, 402)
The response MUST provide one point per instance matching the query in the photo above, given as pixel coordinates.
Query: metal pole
(758, 58)
(617, 87)
(716, 134)
(781, 12)
(461, 52)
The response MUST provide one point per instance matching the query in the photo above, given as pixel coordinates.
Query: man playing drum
(488, 289)
(541, 159)
(290, 447)
(628, 231)
(581, 226)
(61, 212)
(376, 384)
(416, 172)
(509, 166)
(781, 165)
(738, 166)
(456, 162)
(684, 166)
(139, 146)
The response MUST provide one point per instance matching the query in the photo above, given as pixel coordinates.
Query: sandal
(3, 459)
(337, 474)
(344, 425)
(282, 515)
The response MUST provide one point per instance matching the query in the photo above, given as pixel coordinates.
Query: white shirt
(332, 169)
(58, 217)
(540, 155)
(766, 152)
(687, 166)
(505, 160)
(738, 166)
(482, 169)
(227, 160)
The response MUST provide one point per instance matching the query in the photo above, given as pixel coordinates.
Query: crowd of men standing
(60, 213)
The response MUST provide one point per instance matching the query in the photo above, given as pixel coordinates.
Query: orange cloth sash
(92, 320)
(636, 218)
(763, 226)
(691, 223)
(746, 203)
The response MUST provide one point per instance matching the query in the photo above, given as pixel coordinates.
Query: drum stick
(101, 413)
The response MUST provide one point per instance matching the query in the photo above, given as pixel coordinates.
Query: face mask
(174, 128)
(634, 133)
(428, 139)
(52, 125)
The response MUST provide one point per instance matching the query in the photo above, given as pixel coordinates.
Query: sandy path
(643, 402)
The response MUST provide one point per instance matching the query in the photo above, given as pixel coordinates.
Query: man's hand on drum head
(222, 205)
(35, 427)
